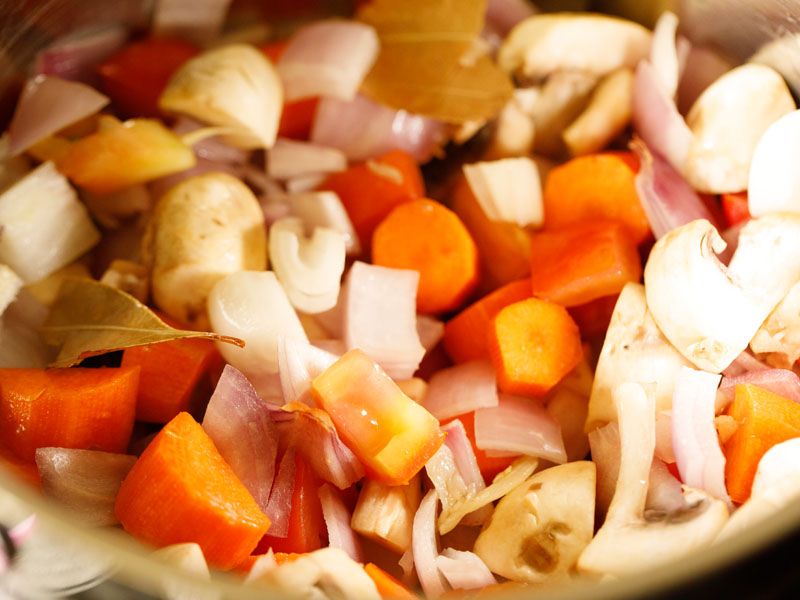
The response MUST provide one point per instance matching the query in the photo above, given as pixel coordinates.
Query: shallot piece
(464, 570)
(425, 549)
(279, 506)
(461, 389)
(782, 382)
(298, 363)
(667, 199)
(430, 331)
(46, 105)
(364, 129)
(380, 317)
(86, 481)
(694, 437)
(289, 159)
(337, 521)
(328, 58)
(238, 421)
(77, 56)
(520, 426)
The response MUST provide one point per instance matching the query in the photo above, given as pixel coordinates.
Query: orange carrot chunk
(69, 408)
(465, 334)
(764, 419)
(428, 237)
(533, 345)
(583, 262)
(181, 490)
(596, 186)
(388, 587)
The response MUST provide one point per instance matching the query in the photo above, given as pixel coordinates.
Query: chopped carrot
(489, 466)
(388, 587)
(181, 490)
(426, 236)
(596, 186)
(764, 419)
(504, 248)
(392, 435)
(136, 75)
(594, 316)
(735, 208)
(69, 408)
(465, 334)
(583, 262)
(533, 345)
(370, 190)
(175, 376)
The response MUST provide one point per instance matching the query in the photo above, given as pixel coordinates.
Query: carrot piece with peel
(428, 237)
(596, 186)
(533, 345)
(67, 408)
(583, 262)
(388, 587)
(465, 334)
(182, 490)
(764, 419)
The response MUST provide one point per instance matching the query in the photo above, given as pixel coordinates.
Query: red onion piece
(694, 438)
(663, 449)
(519, 425)
(464, 570)
(461, 389)
(238, 421)
(298, 364)
(379, 315)
(337, 521)
(77, 56)
(328, 58)
(424, 548)
(288, 159)
(783, 382)
(46, 105)
(656, 118)
(279, 506)
(363, 129)
(744, 363)
(667, 199)
(196, 20)
(211, 148)
(86, 481)
(502, 15)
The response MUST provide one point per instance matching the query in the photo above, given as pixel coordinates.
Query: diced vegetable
(385, 513)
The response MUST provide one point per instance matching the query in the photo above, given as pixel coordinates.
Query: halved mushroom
(727, 121)
(778, 338)
(631, 540)
(537, 531)
(593, 44)
(634, 350)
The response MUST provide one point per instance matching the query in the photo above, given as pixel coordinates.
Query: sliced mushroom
(777, 341)
(593, 44)
(773, 184)
(727, 121)
(386, 513)
(630, 540)
(508, 190)
(634, 350)
(537, 531)
(234, 87)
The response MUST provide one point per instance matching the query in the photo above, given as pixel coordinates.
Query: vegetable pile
(429, 299)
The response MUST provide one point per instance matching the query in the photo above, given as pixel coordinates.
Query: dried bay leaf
(91, 318)
(428, 63)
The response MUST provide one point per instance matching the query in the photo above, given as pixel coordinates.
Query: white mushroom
(634, 349)
(538, 530)
(777, 341)
(631, 540)
(508, 190)
(235, 87)
(385, 513)
(773, 184)
(203, 229)
(727, 121)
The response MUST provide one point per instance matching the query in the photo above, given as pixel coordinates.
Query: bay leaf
(90, 318)
(428, 62)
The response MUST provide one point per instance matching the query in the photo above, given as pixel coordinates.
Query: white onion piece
(289, 158)
(364, 129)
(508, 190)
(299, 363)
(252, 306)
(45, 226)
(328, 58)
(694, 437)
(310, 268)
(667, 199)
(430, 331)
(86, 481)
(424, 548)
(664, 53)
(519, 425)
(337, 522)
(379, 315)
(211, 148)
(502, 15)
(325, 209)
(279, 506)
(461, 389)
(464, 570)
(48, 104)
(239, 423)
(782, 382)
(77, 56)
(664, 449)
(656, 118)
(774, 185)
(196, 20)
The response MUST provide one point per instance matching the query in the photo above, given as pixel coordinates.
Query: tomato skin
(735, 208)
